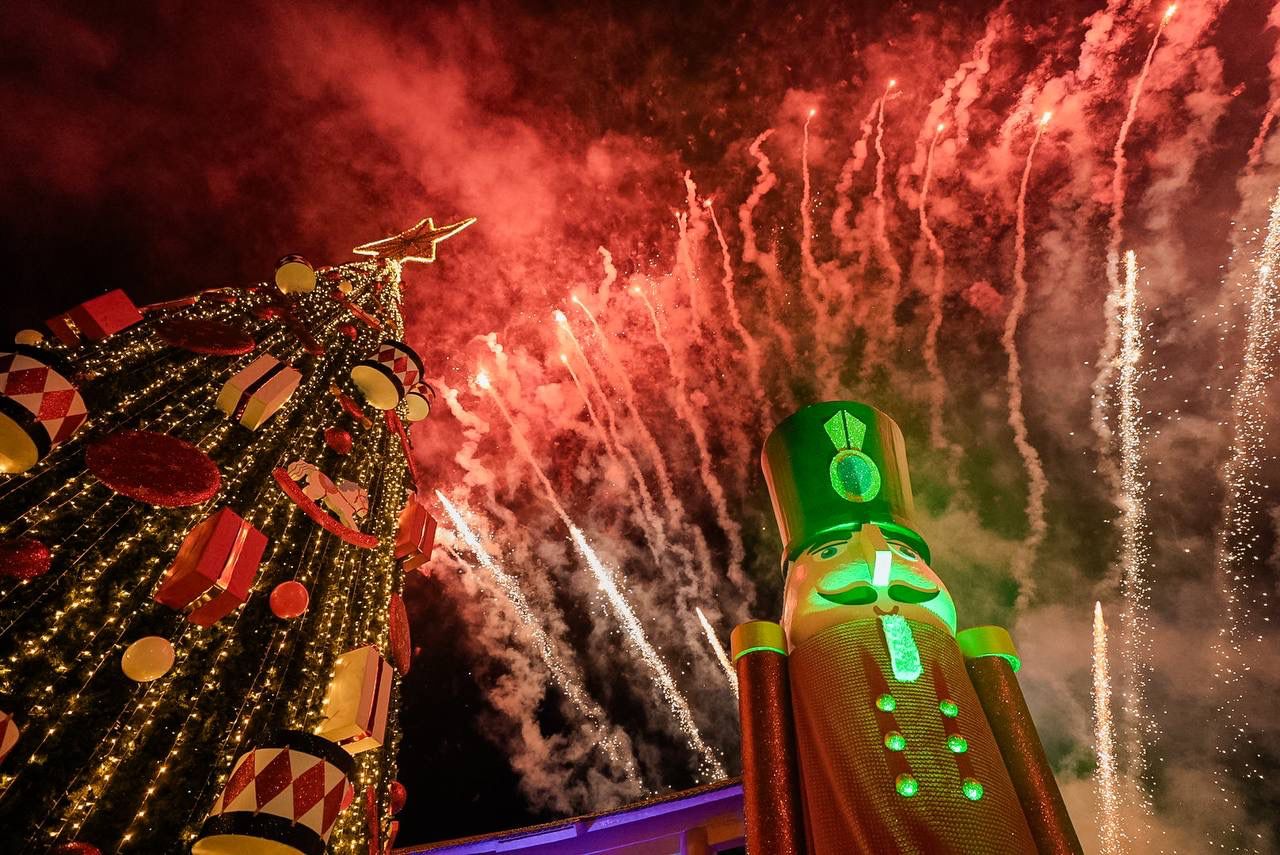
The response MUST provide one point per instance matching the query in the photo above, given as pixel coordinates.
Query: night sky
(173, 147)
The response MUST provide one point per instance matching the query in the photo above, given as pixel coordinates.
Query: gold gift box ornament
(355, 707)
(258, 391)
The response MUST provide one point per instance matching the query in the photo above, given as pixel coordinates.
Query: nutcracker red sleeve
(992, 662)
(770, 779)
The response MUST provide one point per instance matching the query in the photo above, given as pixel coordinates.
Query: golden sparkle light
(414, 244)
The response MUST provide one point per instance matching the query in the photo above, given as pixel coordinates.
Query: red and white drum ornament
(388, 375)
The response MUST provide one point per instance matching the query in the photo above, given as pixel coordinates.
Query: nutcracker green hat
(835, 466)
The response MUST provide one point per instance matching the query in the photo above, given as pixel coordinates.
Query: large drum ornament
(39, 409)
(388, 375)
(295, 275)
(418, 402)
(282, 799)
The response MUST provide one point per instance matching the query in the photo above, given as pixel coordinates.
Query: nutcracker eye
(829, 552)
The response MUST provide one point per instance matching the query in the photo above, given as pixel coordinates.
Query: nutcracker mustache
(864, 593)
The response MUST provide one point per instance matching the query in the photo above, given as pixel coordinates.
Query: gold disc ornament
(295, 275)
(28, 337)
(147, 659)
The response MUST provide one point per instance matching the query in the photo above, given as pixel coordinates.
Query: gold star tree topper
(413, 244)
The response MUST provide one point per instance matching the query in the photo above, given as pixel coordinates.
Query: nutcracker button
(886, 703)
(895, 741)
(972, 789)
(949, 708)
(907, 786)
(957, 743)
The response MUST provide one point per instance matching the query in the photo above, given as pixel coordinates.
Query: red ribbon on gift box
(252, 389)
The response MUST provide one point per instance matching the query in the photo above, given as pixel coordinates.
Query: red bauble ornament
(349, 330)
(75, 848)
(289, 600)
(338, 439)
(401, 646)
(399, 795)
(154, 468)
(23, 558)
(205, 335)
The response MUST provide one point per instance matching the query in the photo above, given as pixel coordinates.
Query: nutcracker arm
(770, 769)
(992, 660)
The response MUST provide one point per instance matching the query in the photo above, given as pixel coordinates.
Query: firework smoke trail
(675, 507)
(1236, 553)
(1111, 340)
(604, 578)
(1135, 641)
(687, 414)
(812, 282)
(1104, 743)
(560, 672)
(718, 649)
(1037, 485)
(652, 525)
(657, 533)
(766, 180)
(710, 765)
(884, 247)
(751, 347)
(937, 383)
(1255, 150)
(840, 225)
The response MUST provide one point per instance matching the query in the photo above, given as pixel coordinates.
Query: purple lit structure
(703, 821)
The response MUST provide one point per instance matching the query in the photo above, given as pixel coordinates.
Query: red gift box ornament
(416, 535)
(355, 707)
(9, 734)
(39, 409)
(95, 319)
(283, 799)
(384, 378)
(214, 569)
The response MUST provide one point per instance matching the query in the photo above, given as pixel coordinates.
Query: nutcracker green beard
(851, 575)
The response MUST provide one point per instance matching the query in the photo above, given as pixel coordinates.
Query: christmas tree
(206, 511)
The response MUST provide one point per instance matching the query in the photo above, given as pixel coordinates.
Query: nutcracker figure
(869, 725)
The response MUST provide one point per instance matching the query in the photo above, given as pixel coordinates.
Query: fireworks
(1036, 525)
(564, 676)
(723, 658)
(1134, 584)
(1108, 775)
(1119, 187)
(1244, 600)
(710, 763)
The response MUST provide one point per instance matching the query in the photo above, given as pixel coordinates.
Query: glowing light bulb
(482, 379)
(560, 317)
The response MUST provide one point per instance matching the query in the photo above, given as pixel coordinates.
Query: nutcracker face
(859, 574)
